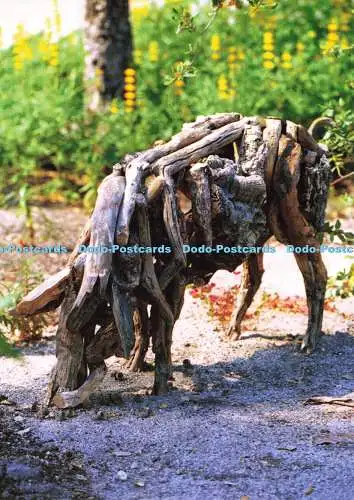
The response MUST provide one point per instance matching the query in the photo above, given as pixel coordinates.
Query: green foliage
(340, 139)
(336, 230)
(17, 328)
(342, 285)
(45, 129)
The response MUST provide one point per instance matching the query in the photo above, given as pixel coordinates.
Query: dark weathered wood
(148, 277)
(142, 338)
(69, 352)
(198, 181)
(123, 317)
(105, 343)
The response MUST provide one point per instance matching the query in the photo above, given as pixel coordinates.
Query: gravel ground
(234, 426)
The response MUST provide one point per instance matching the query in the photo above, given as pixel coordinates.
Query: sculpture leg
(315, 277)
(252, 272)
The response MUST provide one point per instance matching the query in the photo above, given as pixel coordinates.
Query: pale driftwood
(98, 264)
(51, 290)
(300, 134)
(271, 136)
(346, 400)
(211, 143)
(142, 166)
(155, 189)
(134, 174)
(71, 399)
(291, 130)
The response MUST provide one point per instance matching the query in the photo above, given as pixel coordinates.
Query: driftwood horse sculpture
(246, 179)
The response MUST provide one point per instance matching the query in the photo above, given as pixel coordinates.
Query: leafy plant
(17, 328)
(342, 285)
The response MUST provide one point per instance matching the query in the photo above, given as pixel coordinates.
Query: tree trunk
(108, 46)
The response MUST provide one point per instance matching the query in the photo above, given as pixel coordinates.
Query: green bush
(288, 62)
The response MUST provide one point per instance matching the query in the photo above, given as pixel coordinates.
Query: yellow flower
(129, 79)
(231, 58)
(179, 83)
(344, 44)
(268, 55)
(153, 51)
(300, 47)
(268, 65)
(114, 107)
(241, 55)
(129, 96)
(138, 56)
(215, 56)
(54, 55)
(222, 83)
(130, 102)
(333, 37)
(43, 46)
(268, 47)
(268, 37)
(129, 87)
(215, 43)
(286, 56)
(18, 65)
(332, 27)
(287, 65)
(129, 72)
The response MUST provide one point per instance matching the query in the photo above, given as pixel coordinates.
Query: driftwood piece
(198, 182)
(83, 239)
(71, 399)
(105, 343)
(212, 142)
(142, 337)
(50, 291)
(142, 165)
(69, 351)
(149, 280)
(155, 188)
(123, 317)
(98, 263)
(271, 136)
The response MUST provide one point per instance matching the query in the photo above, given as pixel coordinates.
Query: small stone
(24, 431)
(139, 484)
(18, 418)
(122, 475)
(121, 453)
